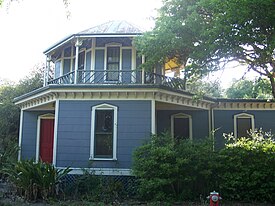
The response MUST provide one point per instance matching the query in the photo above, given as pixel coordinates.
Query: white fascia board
(49, 50)
(62, 42)
(33, 97)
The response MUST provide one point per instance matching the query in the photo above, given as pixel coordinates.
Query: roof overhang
(83, 36)
(51, 93)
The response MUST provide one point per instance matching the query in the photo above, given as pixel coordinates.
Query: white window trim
(243, 115)
(103, 107)
(182, 115)
(44, 116)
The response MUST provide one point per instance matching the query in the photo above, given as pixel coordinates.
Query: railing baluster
(118, 77)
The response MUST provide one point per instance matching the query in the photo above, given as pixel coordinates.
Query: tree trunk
(272, 82)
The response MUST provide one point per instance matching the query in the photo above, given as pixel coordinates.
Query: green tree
(172, 38)
(9, 113)
(210, 33)
(258, 88)
(237, 30)
(202, 87)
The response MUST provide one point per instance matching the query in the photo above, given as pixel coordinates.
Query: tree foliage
(238, 30)
(172, 38)
(9, 113)
(204, 87)
(258, 88)
(210, 33)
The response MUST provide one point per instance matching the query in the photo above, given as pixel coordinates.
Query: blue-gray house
(99, 105)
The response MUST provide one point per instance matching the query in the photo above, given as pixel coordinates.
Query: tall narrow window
(81, 59)
(57, 69)
(243, 123)
(104, 132)
(181, 126)
(81, 73)
(113, 57)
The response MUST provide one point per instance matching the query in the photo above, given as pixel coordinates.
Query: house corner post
(142, 72)
(56, 115)
(77, 45)
(20, 135)
(153, 116)
(47, 71)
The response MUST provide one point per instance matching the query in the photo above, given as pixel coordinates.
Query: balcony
(137, 77)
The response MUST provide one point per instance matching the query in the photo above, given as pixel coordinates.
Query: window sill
(103, 159)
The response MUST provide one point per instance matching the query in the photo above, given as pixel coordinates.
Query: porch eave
(132, 92)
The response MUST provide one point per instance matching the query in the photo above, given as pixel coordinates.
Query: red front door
(46, 140)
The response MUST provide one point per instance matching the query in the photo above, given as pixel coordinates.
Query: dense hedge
(187, 170)
(247, 169)
(174, 171)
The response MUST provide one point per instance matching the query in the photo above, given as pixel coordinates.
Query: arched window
(103, 132)
(243, 123)
(181, 126)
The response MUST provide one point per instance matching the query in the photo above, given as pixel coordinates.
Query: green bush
(248, 168)
(242, 171)
(8, 156)
(169, 170)
(35, 180)
(97, 188)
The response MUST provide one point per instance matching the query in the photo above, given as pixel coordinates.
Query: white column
(93, 59)
(45, 73)
(143, 72)
(55, 131)
(134, 66)
(47, 70)
(20, 134)
(77, 45)
(153, 116)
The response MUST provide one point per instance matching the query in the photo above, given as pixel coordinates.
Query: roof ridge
(114, 26)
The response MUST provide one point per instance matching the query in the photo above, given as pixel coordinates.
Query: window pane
(81, 58)
(181, 128)
(104, 145)
(243, 125)
(67, 66)
(57, 69)
(67, 52)
(104, 133)
(113, 56)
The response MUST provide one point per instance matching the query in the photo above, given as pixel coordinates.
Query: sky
(29, 27)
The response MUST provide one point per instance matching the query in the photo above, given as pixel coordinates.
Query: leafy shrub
(248, 168)
(8, 156)
(170, 170)
(35, 180)
(96, 188)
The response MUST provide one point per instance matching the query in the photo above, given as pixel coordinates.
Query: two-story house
(100, 105)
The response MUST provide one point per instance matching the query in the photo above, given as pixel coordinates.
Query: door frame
(44, 116)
